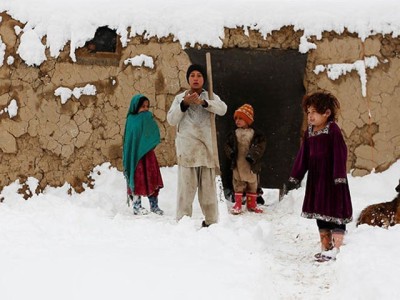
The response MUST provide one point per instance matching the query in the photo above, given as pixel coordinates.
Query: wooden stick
(209, 77)
(212, 116)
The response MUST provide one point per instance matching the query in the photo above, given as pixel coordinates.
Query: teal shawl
(141, 135)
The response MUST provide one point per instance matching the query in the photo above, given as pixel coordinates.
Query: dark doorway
(272, 82)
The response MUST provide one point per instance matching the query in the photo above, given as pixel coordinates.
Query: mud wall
(59, 141)
(368, 121)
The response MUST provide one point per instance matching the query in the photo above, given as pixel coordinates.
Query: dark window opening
(105, 40)
(104, 49)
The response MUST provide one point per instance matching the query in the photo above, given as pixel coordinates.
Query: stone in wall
(8, 143)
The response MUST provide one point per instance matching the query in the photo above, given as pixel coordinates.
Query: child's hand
(290, 185)
(192, 98)
(249, 159)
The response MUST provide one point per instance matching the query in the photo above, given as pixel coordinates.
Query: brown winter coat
(255, 153)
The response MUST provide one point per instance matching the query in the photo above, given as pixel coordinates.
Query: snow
(2, 51)
(10, 60)
(17, 30)
(66, 93)
(11, 109)
(306, 46)
(31, 49)
(334, 71)
(140, 60)
(90, 246)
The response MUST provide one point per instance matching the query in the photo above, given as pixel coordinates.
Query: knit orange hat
(246, 113)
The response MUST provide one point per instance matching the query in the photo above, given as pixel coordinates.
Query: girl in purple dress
(323, 154)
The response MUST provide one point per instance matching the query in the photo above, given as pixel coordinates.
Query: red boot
(252, 203)
(237, 208)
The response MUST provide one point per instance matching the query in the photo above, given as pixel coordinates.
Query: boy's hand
(192, 98)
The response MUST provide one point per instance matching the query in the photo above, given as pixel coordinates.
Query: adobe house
(61, 118)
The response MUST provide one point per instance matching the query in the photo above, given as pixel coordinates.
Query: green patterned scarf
(141, 135)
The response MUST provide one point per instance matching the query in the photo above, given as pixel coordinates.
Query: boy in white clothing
(191, 113)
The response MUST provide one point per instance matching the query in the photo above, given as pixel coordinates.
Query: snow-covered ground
(91, 246)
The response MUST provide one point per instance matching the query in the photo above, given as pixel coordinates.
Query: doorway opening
(272, 82)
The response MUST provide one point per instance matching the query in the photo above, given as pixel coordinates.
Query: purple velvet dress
(323, 154)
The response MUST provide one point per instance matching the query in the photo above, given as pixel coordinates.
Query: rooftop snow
(203, 22)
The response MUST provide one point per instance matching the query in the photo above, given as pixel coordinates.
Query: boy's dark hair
(199, 68)
(322, 101)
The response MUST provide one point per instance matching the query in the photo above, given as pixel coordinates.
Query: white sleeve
(175, 113)
(217, 106)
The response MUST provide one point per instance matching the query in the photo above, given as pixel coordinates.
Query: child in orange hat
(245, 147)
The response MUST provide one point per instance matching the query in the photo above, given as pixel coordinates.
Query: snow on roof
(202, 22)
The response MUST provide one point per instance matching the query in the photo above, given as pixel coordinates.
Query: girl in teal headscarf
(140, 164)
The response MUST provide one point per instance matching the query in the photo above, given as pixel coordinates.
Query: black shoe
(204, 224)
(260, 200)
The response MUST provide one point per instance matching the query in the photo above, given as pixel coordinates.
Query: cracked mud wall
(58, 143)
(369, 123)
